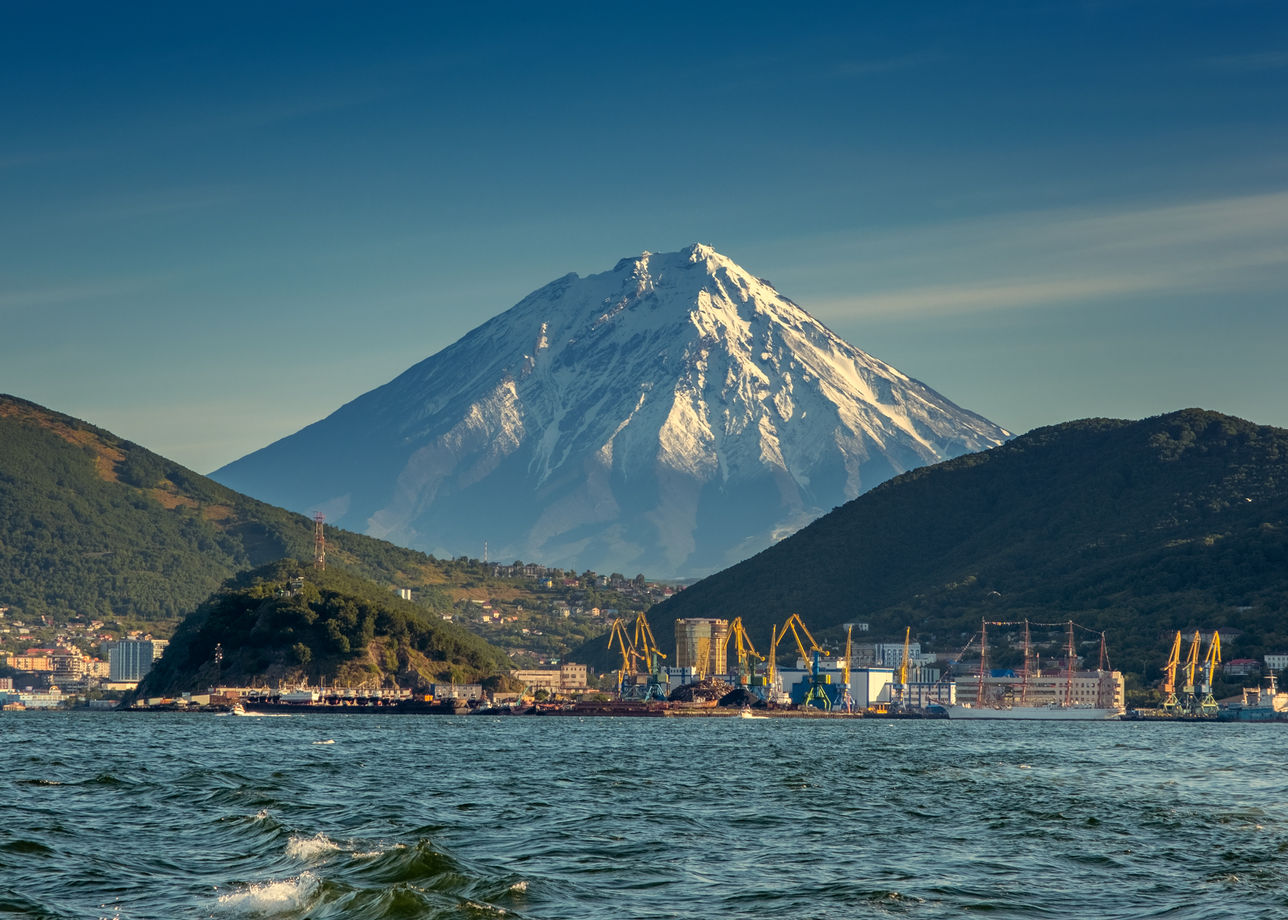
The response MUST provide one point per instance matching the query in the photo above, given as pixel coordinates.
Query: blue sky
(219, 222)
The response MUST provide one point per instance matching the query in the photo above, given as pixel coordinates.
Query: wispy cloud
(1057, 257)
(859, 67)
(245, 114)
(151, 203)
(18, 160)
(1253, 62)
(81, 292)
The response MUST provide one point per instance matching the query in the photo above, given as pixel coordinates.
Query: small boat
(746, 713)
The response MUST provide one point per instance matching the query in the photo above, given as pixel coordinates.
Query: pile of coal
(703, 691)
(740, 698)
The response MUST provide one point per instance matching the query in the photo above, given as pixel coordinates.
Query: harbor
(719, 674)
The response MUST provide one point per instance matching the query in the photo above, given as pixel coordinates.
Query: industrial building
(700, 644)
(567, 678)
(870, 688)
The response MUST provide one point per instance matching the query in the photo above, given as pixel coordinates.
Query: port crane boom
(795, 625)
(1211, 662)
(641, 660)
(744, 650)
(651, 656)
(844, 699)
(1170, 702)
(902, 689)
(617, 634)
(1189, 701)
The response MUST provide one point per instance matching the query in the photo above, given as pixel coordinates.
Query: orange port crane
(844, 699)
(795, 625)
(1170, 702)
(1188, 701)
(743, 648)
(651, 656)
(902, 689)
(617, 634)
(1211, 662)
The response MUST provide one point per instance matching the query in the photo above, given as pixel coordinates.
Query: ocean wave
(307, 849)
(420, 863)
(272, 898)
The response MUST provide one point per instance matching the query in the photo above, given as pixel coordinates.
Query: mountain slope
(671, 415)
(1139, 528)
(95, 526)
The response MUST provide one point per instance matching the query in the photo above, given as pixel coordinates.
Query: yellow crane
(795, 625)
(902, 689)
(617, 634)
(1170, 702)
(744, 650)
(651, 656)
(1210, 663)
(1188, 701)
(844, 699)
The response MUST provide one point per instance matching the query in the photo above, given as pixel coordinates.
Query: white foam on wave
(271, 897)
(306, 849)
(487, 910)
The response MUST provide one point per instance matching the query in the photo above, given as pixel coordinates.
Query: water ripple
(167, 816)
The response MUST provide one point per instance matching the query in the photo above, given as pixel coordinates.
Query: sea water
(150, 815)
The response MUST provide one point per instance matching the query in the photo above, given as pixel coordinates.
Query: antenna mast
(319, 542)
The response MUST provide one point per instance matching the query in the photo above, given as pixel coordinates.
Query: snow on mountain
(670, 416)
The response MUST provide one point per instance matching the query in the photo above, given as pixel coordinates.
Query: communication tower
(319, 542)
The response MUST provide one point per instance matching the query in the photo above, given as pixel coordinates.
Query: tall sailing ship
(1062, 694)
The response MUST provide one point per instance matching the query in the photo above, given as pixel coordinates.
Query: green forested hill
(1136, 528)
(97, 527)
(290, 622)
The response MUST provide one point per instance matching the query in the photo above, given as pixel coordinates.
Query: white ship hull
(1035, 713)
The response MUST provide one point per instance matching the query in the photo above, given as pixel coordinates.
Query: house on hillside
(1242, 667)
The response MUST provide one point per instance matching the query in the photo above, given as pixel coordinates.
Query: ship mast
(1100, 674)
(983, 662)
(1024, 680)
(1068, 670)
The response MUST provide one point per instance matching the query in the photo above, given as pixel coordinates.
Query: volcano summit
(671, 416)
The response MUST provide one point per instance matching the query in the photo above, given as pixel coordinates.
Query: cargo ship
(1259, 704)
(1052, 712)
(1064, 694)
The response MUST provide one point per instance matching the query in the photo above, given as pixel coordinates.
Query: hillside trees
(288, 622)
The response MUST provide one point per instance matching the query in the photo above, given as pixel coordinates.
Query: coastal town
(712, 666)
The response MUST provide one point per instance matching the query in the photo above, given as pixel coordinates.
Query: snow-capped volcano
(671, 416)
